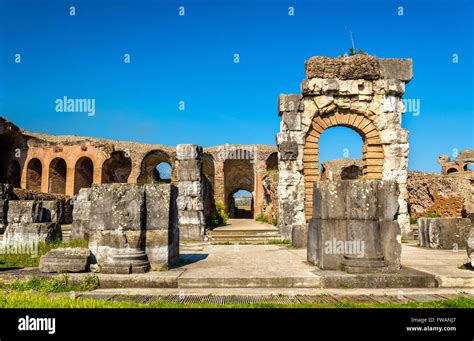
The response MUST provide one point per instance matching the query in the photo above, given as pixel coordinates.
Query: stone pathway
(244, 231)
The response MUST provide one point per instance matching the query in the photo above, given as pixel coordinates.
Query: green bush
(218, 217)
(413, 220)
(433, 215)
(261, 218)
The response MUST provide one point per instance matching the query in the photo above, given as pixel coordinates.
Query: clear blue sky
(191, 59)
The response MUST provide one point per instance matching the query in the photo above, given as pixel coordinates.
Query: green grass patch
(57, 284)
(28, 260)
(279, 241)
(19, 299)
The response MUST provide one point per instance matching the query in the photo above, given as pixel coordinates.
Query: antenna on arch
(352, 40)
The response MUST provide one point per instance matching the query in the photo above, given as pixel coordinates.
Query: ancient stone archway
(34, 172)
(83, 174)
(372, 153)
(117, 168)
(14, 174)
(57, 176)
(361, 92)
(149, 173)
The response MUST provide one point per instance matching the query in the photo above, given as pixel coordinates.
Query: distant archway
(14, 174)
(149, 172)
(83, 174)
(241, 204)
(239, 174)
(452, 170)
(117, 168)
(57, 176)
(34, 172)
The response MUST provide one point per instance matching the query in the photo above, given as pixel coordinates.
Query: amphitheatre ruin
(137, 221)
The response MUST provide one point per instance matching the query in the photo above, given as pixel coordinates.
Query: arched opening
(468, 167)
(238, 175)
(34, 172)
(83, 174)
(163, 172)
(272, 162)
(117, 168)
(57, 176)
(240, 204)
(452, 170)
(340, 154)
(155, 168)
(372, 151)
(14, 174)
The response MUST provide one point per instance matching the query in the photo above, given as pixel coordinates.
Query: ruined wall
(443, 195)
(360, 92)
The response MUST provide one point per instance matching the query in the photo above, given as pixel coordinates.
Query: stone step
(244, 236)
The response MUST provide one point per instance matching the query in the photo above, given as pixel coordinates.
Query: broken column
(190, 192)
(133, 227)
(354, 226)
(444, 233)
(80, 229)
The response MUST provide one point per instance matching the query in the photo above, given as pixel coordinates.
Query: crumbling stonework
(360, 92)
(442, 195)
(463, 159)
(354, 226)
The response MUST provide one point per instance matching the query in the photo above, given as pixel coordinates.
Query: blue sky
(191, 58)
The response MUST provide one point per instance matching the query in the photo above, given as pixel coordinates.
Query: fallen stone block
(444, 233)
(75, 259)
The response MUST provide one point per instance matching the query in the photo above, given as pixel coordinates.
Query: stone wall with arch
(360, 92)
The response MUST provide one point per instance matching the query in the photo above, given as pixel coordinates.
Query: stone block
(288, 150)
(292, 120)
(3, 215)
(396, 68)
(470, 246)
(24, 211)
(444, 233)
(52, 211)
(190, 188)
(128, 208)
(66, 260)
(324, 242)
(158, 206)
(28, 233)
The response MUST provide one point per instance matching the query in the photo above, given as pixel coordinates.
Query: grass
(58, 284)
(19, 299)
(28, 260)
(279, 241)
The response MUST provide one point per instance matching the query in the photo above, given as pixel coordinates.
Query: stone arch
(239, 173)
(272, 161)
(83, 174)
(57, 176)
(452, 170)
(117, 168)
(148, 171)
(372, 151)
(34, 173)
(14, 174)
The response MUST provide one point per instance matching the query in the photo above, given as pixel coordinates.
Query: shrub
(433, 215)
(413, 220)
(218, 217)
(261, 218)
